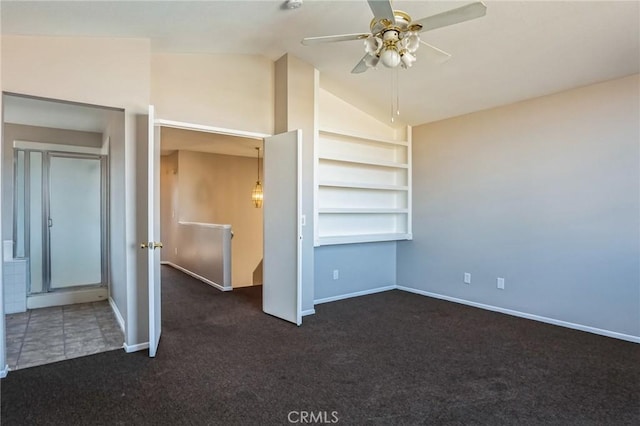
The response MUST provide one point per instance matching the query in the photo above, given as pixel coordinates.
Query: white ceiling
(519, 50)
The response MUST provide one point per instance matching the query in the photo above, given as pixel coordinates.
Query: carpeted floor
(392, 358)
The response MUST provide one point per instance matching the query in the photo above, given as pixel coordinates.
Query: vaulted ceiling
(519, 50)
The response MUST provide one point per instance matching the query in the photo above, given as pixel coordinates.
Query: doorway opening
(55, 229)
(210, 227)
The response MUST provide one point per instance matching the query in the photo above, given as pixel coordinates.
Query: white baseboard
(356, 294)
(608, 333)
(308, 312)
(135, 348)
(4, 372)
(198, 277)
(117, 313)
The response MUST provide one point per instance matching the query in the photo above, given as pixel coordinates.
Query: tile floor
(42, 336)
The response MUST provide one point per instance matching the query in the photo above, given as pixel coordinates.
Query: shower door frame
(74, 152)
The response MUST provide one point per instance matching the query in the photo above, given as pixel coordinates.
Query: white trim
(209, 129)
(206, 225)
(594, 330)
(135, 348)
(198, 277)
(355, 294)
(117, 313)
(43, 146)
(4, 371)
(308, 312)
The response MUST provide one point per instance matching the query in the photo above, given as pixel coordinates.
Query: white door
(282, 272)
(153, 232)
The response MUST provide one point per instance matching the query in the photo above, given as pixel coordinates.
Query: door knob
(150, 245)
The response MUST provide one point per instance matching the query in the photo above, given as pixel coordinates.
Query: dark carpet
(391, 358)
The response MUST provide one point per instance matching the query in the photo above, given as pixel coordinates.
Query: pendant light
(257, 195)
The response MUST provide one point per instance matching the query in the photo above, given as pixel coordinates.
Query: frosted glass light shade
(412, 42)
(390, 58)
(372, 45)
(407, 60)
(257, 195)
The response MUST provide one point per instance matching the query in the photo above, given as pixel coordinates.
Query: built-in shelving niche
(363, 189)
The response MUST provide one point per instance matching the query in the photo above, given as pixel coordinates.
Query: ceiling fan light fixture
(372, 45)
(407, 59)
(390, 57)
(412, 42)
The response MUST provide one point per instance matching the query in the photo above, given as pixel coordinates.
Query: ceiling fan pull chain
(393, 100)
(397, 86)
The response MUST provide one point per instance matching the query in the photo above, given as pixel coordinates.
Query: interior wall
(115, 134)
(543, 193)
(337, 114)
(112, 72)
(228, 91)
(296, 101)
(4, 367)
(215, 188)
(169, 205)
(362, 267)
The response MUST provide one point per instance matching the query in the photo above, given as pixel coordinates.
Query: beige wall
(168, 205)
(112, 72)
(544, 193)
(228, 91)
(336, 114)
(103, 71)
(213, 188)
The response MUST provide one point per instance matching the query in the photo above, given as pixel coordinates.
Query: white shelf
(356, 185)
(363, 188)
(362, 238)
(347, 210)
(340, 134)
(366, 162)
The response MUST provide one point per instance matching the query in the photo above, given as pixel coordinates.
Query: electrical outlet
(175, 250)
(336, 274)
(467, 278)
(500, 282)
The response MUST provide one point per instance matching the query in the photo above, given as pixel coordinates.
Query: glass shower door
(75, 221)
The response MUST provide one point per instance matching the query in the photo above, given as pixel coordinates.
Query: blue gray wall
(544, 193)
(363, 268)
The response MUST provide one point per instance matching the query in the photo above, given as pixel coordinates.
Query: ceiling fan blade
(361, 67)
(433, 54)
(382, 9)
(309, 41)
(453, 16)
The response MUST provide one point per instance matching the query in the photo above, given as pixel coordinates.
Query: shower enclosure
(60, 219)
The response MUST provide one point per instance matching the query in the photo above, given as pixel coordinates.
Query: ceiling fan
(394, 37)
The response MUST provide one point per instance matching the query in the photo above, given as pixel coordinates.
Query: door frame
(48, 152)
(155, 124)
